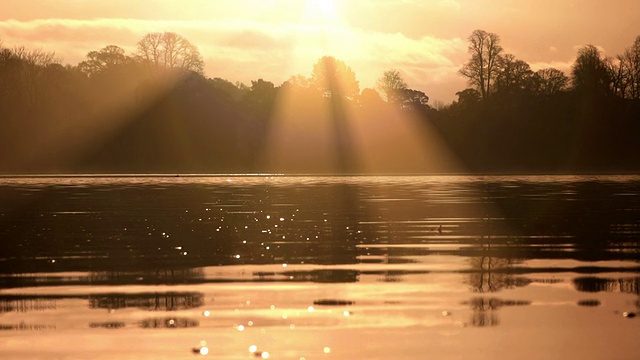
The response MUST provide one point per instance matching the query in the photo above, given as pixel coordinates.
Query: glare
(322, 11)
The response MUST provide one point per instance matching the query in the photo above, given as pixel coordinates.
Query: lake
(246, 267)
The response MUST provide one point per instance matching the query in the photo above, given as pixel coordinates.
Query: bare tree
(482, 68)
(170, 50)
(29, 68)
(630, 63)
(551, 81)
(617, 74)
(36, 57)
(392, 86)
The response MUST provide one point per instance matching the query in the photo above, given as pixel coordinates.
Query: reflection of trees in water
(24, 327)
(335, 275)
(596, 284)
(110, 228)
(169, 301)
(317, 276)
(150, 277)
(485, 310)
(169, 323)
(392, 277)
(491, 274)
(589, 303)
(107, 325)
(155, 276)
(27, 304)
(151, 301)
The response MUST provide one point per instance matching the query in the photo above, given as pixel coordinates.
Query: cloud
(450, 4)
(244, 50)
(564, 66)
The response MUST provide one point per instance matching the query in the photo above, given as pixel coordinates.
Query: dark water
(320, 267)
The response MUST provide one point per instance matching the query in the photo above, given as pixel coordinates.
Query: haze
(276, 39)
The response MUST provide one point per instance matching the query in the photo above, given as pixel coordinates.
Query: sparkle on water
(397, 251)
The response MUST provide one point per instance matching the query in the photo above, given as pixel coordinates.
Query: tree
(513, 75)
(481, 69)
(551, 81)
(297, 82)
(334, 78)
(468, 96)
(617, 75)
(105, 58)
(170, 51)
(630, 63)
(261, 93)
(23, 73)
(370, 98)
(413, 99)
(589, 74)
(232, 90)
(393, 86)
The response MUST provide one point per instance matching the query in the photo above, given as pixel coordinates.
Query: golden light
(321, 12)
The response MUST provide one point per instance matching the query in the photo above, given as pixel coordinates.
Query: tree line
(155, 111)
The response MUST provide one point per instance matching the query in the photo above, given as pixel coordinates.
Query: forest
(155, 111)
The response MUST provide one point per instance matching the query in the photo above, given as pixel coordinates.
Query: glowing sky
(242, 40)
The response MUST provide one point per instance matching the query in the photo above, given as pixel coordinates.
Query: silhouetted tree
(551, 81)
(370, 98)
(111, 115)
(262, 92)
(170, 50)
(298, 82)
(589, 73)
(513, 75)
(630, 63)
(103, 59)
(25, 72)
(468, 96)
(333, 77)
(392, 86)
(414, 99)
(227, 87)
(482, 68)
(617, 76)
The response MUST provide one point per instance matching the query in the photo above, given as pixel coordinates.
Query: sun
(321, 12)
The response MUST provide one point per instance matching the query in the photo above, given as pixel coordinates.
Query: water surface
(448, 267)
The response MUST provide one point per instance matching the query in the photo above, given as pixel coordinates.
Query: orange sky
(243, 40)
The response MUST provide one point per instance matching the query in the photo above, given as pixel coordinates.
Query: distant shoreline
(257, 175)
